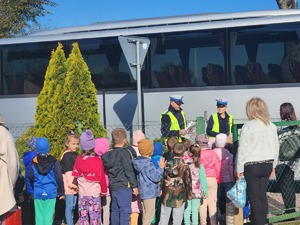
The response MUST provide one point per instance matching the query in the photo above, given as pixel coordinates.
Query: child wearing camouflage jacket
(176, 187)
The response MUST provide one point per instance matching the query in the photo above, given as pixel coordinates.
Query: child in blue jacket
(148, 178)
(46, 177)
(27, 161)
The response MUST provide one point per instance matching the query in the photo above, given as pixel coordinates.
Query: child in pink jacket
(212, 167)
(101, 147)
(226, 173)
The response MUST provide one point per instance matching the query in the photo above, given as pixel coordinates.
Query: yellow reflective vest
(174, 122)
(216, 126)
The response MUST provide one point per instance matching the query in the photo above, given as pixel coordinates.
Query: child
(157, 153)
(212, 166)
(101, 147)
(198, 190)
(170, 144)
(27, 161)
(89, 174)
(136, 137)
(226, 184)
(122, 181)
(148, 179)
(136, 203)
(67, 162)
(177, 187)
(46, 177)
(187, 143)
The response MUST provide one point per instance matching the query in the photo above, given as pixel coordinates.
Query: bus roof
(161, 25)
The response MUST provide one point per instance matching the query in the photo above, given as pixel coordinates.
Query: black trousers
(257, 178)
(285, 184)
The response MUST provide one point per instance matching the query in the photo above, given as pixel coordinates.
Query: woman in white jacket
(9, 169)
(257, 156)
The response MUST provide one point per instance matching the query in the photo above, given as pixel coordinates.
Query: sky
(69, 13)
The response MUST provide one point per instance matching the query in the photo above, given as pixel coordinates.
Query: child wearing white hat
(226, 177)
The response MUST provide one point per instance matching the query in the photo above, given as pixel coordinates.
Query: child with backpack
(46, 177)
(90, 177)
(176, 187)
(122, 181)
(199, 184)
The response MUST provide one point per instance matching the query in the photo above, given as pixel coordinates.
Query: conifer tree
(66, 102)
(81, 105)
(46, 108)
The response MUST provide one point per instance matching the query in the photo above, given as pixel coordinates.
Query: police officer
(173, 121)
(220, 122)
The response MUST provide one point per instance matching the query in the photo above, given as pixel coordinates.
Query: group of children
(114, 186)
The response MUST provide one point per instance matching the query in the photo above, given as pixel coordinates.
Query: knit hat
(32, 143)
(202, 138)
(221, 140)
(137, 136)
(145, 147)
(101, 146)
(158, 148)
(87, 140)
(42, 145)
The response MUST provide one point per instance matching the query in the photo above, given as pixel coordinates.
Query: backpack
(289, 149)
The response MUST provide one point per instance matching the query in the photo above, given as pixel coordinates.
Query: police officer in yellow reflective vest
(173, 121)
(220, 122)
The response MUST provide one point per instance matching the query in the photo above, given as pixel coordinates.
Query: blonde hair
(70, 135)
(118, 135)
(257, 109)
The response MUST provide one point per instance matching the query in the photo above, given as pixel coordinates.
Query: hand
(229, 139)
(61, 197)
(20, 199)
(182, 132)
(135, 191)
(239, 175)
(73, 186)
(162, 162)
(272, 173)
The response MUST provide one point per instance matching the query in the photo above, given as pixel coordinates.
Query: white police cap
(221, 101)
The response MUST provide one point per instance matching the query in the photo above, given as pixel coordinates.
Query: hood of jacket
(28, 157)
(140, 162)
(44, 163)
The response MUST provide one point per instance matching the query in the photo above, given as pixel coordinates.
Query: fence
(283, 189)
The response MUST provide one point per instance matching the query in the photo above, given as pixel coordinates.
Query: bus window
(266, 54)
(181, 59)
(24, 66)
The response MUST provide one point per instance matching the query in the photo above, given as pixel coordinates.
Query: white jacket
(9, 170)
(258, 142)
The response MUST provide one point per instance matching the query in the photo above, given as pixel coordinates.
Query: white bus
(206, 56)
